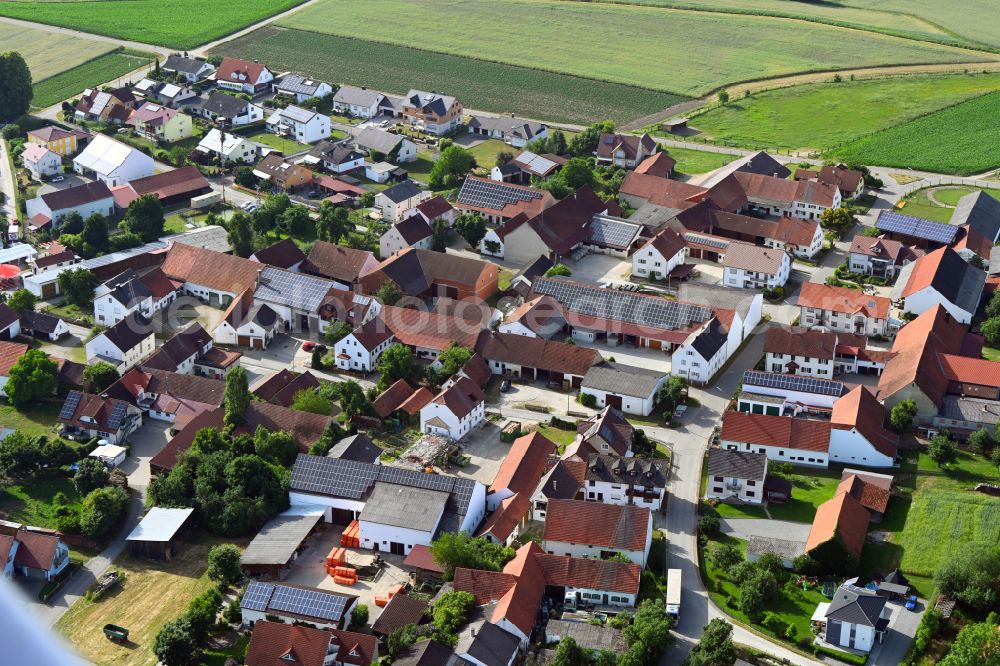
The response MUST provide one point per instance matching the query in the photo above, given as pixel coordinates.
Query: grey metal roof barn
(623, 380)
(160, 524)
(401, 506)
(296, 290)
(277, 541)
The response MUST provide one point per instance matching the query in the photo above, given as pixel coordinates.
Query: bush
(224, 563)
(359, 618)
(588, 399)
(708, 526)
(91, 474)
(174, 645)
(103, 510)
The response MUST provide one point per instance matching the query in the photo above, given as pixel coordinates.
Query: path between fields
(162, 50)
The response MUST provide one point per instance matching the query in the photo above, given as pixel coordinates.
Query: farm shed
(276, 545)
(156, 536)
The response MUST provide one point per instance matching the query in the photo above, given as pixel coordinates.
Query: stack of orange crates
(345, 576)
(351, 538)
(382, 600)
(336, 557)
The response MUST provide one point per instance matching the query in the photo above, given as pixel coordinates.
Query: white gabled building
(631, 389)
(357, 102)
(454, 411)
(125, 344)
(360, 350)
(782, 438)
(594, 529)
(942, 278)
(736, 474)
(843, 309)
(705, 352)
(302, 125)
(747, 266)
(112, 162)
(659, 256)
(631, 481)
(859, 435)
(228, 147)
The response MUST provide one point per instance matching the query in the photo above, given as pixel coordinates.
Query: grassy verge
(920, 204)
(90, 74)
(691, 162)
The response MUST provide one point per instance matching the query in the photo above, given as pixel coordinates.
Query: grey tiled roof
(623, 380)
(736, 464)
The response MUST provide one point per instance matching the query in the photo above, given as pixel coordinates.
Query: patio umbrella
(8, 271)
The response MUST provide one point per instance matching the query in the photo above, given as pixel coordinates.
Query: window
(717, 478)
(751, 493)
(716, 489)
(751, 483)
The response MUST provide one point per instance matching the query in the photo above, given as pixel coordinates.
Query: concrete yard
(487, 452)
(744, 528)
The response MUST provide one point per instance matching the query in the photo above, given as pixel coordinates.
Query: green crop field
(821, 115)
(478, 84)
(941, 521)
(972, 19)
(963, 139)
(179, 24)
(684, 52)
(45, 55)
(93, 73)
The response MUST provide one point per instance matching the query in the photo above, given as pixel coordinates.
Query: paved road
(7, 186)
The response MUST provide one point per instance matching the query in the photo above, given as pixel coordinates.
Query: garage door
(655, 344)
(243, 341)
(49, 290)
(341, 516)
(615, 401)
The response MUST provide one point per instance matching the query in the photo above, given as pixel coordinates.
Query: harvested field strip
(478, 84)
(47, 56)
(686, 52)
(88, 75)
(179, 24)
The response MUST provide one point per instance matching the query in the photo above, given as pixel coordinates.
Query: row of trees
(399, 362)
(143, 222)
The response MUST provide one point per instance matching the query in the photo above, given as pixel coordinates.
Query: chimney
(555, 484)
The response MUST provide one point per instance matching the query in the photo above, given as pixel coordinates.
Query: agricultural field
(945, 517)
(693, 53)
(72, 82)
(920, 203)
(693, 162)
(179, 24)
(46, 56)
(975, 21)
(824, 115)
(963, 139)
(396, 69)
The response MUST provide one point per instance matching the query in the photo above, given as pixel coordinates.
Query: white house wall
(852, 448)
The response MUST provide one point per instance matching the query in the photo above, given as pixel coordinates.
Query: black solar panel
(652, 311)
(117, 416)
(333, 476)
(707, 240)
(917, 227)
(70, 405)
(257, 596)
(793, 383)
(612, 232)
(312, 603)
(493, 194)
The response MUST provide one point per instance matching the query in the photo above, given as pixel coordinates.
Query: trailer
(115, 633)
(673, 596)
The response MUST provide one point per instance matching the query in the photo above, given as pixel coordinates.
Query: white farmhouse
(941, 278)
(357, 102)
(411, 232)
(594, 529)
(123, 345)
(40, 161)
(782, 438)
(659, 256)
(111, 162)
(455, 410)
(360, 351)
(736, 474)
(747, 266)
(227, 147)
(302, 125)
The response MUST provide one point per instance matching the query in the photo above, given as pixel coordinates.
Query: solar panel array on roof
(652, 311)
(613, 232)
(707, 240)
(917, 227)
(298, 114)
(298, 290)
(793, 383)
(69, 407)
(493, 194)
(118, 416)
(297, 84)
(257, 595)
(311, 603)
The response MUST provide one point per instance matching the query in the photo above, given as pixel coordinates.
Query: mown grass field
(179, 24)
(692, 162)
(689, 53)
(823, 115)
(93, 73)
(963, 139)
(479, 84)
(47, 56)
(972, 19)
(919, 203)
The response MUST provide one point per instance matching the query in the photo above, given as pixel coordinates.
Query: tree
(708, 526)
(453, 358)
(983, 440)
(103, 510)
(308, 400)
(31, 378)
(276, 446)
(144, 218)
(440, 235)
(457, 549)
(674, 389)
(352, 398)
(569, 654)
(836, 218)
(56, 453)
(991, 330)
(942, 450)
(557, 143)
(296, 221)
(585, 143)
(970, 575)
(725, 556)
(471, 227)
(78, 285)
(976, 645)
(19, 455)
(334, 223)
(993, 307)
(15, 82)
(100, 376)
(224, 563)
(71, 223)
(359, 618)
(751, 602)
(716, 645)
(650, 629)
(95, 235)
(174, 645)
(240, 234)
(244, 177)
(902, 415)
(267, 216)
(504, 157)
(559, 270)
(576, 173)
(124, 240)
(337, 331)
(389, 293)
(401, 639)
(451, 610)
(201, 613)
(397, 362)
(21, 300)
(237, 395)
(450, 167)
(723, 97)
(91, 474)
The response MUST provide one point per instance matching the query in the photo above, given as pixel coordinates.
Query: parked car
(58, 178)
(505, 386)
(384, 123)
(250, 207)
(911, 603)
(310, 346)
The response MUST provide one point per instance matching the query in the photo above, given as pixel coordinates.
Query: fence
(938, 181)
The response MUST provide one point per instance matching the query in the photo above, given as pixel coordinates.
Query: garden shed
(156, 536)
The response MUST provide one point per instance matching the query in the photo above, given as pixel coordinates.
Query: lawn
(561, 438)
(486, 152)
(919, 204)
(420, 168)
(286, 146)
(47, 56)
(171, 583)
(179, 24)
(71, 83)
(963, 139)
(34, 421)
(31, 502)
(810, 488)
(218, 657)
(530, 92)
(692, 54)
(692, 162)
(823, 115)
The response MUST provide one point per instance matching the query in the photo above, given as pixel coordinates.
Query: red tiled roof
(590, 573)
(230, 66)
(883, 248)
(537, 353)
(335, 261)
(786, 191)
(280, 644)
(507, 516)
(799, 341)
(6, 543)
(461, 397)
(417, 401)
(657, 190)
(434, 207)
(417, 328)
(392, 398)
(159, 284)
(754, 258)
(10, 353)
(847, 180)
(529, 206)
(524, 464)
(969, 370)
(355, 648)
(36, 549)
(224, 272)
(842, 299)
(596, 524)
(974, 241)
(780, 431)
(420, 557)
(793, 231)
(658, 164)
(842, 516)
(872, 496)
(859, 409)
(668, 243)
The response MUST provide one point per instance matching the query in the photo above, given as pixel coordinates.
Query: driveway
(902, 628)
(486, 451)
(70, 180)
(744, 528)
(600, 268)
